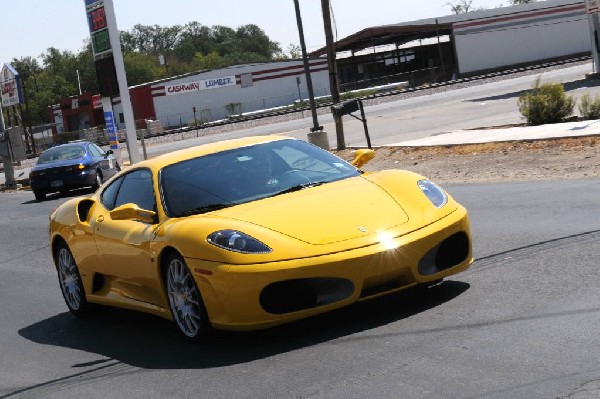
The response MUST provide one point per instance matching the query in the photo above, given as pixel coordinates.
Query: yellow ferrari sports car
(251, 233)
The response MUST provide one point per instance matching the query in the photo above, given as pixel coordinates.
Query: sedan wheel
(70, 282)
(185, 300)
(99, 180)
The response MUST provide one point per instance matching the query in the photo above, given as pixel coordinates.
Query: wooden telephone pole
(333, 79)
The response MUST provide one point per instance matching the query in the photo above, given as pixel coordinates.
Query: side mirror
(132, 212)
(361, 157)
(109, 152)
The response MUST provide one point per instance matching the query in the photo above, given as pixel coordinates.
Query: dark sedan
(70, 166)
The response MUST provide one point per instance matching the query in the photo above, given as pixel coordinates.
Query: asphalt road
(521, 323)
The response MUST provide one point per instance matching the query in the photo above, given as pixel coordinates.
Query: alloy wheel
(69, 279)
(184, 298)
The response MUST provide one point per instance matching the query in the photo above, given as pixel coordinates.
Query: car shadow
(79, 192)
(569, 86)
(150, 342)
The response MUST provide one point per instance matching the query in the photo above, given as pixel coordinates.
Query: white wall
(496, 42)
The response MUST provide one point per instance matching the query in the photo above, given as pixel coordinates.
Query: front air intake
(449, 253)
(306, 293)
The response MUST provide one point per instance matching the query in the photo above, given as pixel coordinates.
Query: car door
(126, 255)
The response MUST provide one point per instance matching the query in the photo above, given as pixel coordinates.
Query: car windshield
(233, 177)
(62, 153)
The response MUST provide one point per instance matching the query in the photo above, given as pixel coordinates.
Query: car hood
(333, 212)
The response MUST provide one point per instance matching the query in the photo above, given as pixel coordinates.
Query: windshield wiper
(298, 188)
(205, 208)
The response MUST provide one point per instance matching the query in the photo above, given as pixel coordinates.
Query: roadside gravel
(566, 158)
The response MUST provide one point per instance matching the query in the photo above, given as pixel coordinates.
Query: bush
(588, 108)
(546, 103)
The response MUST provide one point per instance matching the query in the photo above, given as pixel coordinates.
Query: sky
(29, 27)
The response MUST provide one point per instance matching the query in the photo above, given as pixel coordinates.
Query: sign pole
(111, 128)
(132, 145)
(110, 70)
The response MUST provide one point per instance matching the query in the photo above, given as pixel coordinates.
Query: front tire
(70, 281)
(185, 301)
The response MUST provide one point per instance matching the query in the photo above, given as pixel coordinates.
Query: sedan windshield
(62, 153)
(233, 177)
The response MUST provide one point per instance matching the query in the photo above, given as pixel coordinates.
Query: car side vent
(83, 209)
(97, 282)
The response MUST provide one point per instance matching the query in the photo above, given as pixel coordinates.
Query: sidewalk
(558, 130)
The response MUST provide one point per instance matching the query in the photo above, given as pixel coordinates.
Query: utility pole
(9, 172)
(333, 80)
(316, 136)
(593, 11)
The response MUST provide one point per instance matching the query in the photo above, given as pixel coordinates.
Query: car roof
(205, 149)
(71, 143)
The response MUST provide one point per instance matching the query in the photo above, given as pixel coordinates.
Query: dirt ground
(566, 158)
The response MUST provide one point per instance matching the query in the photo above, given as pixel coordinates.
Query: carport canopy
(398, 34)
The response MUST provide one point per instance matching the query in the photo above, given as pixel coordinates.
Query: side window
(109, 195)
(97, 152)
(137, 189)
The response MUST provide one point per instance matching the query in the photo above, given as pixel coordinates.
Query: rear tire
(39, 195)
(99, 180)
(185, 301)
(70, 281)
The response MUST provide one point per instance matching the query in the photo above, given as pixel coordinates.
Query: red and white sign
(96, 101)
(206, 84)
(10, 86)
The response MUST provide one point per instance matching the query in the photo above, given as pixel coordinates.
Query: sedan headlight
(436, 195)
(236, 241)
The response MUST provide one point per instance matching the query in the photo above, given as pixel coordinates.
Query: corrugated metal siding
(518, 38)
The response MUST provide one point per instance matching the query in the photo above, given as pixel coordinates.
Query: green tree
(211, 60)
(153, 39)
(141, 68)
(194, 38)
(251, 39)
(462, 6)
(54, 75)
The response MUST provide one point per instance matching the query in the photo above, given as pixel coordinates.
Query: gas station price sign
(98, 26)
(97, 19)
(103, 53)
(101, 41)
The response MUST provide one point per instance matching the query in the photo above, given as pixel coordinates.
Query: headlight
(436, 195)
(233, 240)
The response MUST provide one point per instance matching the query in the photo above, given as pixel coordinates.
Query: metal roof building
(440, 48)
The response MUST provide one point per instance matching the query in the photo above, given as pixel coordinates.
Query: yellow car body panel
(369, 232)
(382, 264)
